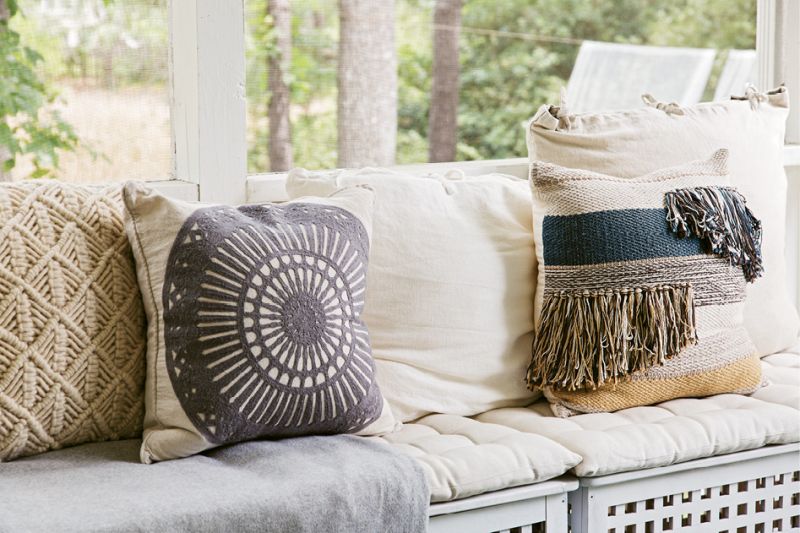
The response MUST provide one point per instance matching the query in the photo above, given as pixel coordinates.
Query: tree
(5, 153)
(367, 83)
(280, 133)
(28, 126)
(442, 118)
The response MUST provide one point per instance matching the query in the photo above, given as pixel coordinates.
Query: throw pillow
(632, 143)
(642, 286)
(452, 275)
(254, 320)
(72, 336)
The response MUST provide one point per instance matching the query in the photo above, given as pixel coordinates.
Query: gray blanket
(330, 484)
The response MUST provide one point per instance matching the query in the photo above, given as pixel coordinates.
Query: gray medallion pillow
(254, 320)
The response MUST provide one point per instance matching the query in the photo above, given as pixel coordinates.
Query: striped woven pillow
(641, 286)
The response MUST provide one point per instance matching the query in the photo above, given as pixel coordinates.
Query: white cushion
(464, 457)
(782, 372)
(450, 287)
(632, 143)
(674, 431)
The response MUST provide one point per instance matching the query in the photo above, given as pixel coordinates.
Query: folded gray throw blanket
(332, 484)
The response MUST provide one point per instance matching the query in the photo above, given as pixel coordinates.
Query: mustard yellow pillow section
(72, 331)
(642, 286)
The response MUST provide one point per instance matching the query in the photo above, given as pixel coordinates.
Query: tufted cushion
(782, 372)
(463, 457)
(673, 431)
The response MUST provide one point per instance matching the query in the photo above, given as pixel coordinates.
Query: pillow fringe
(588, 338)
(720, 216)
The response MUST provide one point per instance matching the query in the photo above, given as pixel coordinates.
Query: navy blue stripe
(608, 236)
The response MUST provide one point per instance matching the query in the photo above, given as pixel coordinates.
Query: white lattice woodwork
(757, 495)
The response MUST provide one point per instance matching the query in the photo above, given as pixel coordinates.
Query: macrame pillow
(72, 336)
(635, 142)
(254, 320)
(641, 286)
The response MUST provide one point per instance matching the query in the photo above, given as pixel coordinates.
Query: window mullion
(208, 104)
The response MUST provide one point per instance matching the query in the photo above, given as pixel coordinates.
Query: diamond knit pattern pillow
(254, 320)
(72, 336)
(641, 286)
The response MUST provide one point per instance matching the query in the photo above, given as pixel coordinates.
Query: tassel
(588, 338)
(720, 216)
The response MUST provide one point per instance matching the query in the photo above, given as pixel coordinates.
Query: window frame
(208, 105)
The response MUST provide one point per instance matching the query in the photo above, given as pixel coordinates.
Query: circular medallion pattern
(262, 322)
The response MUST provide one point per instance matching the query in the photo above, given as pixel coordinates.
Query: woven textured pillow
(633, 143)
(254, 320)
(641, 286)
(72, 336)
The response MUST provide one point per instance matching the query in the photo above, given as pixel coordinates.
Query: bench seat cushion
(674, 431)
(464, 457)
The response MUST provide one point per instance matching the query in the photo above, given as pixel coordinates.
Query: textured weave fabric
(254, 320)
(71, 320)
(635, 142)
(651, 314)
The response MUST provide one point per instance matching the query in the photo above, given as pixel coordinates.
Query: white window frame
(207, 101)
(208, 105)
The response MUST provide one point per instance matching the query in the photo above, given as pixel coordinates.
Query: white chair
(739, 70)
(611, 76)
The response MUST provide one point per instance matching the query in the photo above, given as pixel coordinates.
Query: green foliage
(506, 73)
(311, 79)
(28, 124)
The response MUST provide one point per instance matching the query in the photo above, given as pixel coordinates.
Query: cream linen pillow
(254, 326)
(452, 279)
(633, 143)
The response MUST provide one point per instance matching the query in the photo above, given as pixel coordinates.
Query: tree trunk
(5, 154)
(280, 132)
(367, 79)
(442, 117)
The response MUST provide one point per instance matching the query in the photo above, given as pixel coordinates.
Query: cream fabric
(674, 431)
(633, 143)
(516, 446)
(153, 223)
(71, 319)
(463, 457)
(452, 279)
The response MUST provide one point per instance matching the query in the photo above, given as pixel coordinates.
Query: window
(189, 91)
(94, 105)
(470, 72)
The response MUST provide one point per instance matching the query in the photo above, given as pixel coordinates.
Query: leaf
(39, 173)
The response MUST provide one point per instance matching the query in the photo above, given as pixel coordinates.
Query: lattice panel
(759, 505)
(541, 527)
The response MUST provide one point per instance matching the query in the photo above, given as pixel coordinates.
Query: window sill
(270, 187)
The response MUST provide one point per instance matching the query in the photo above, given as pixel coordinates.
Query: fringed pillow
(641, 286)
